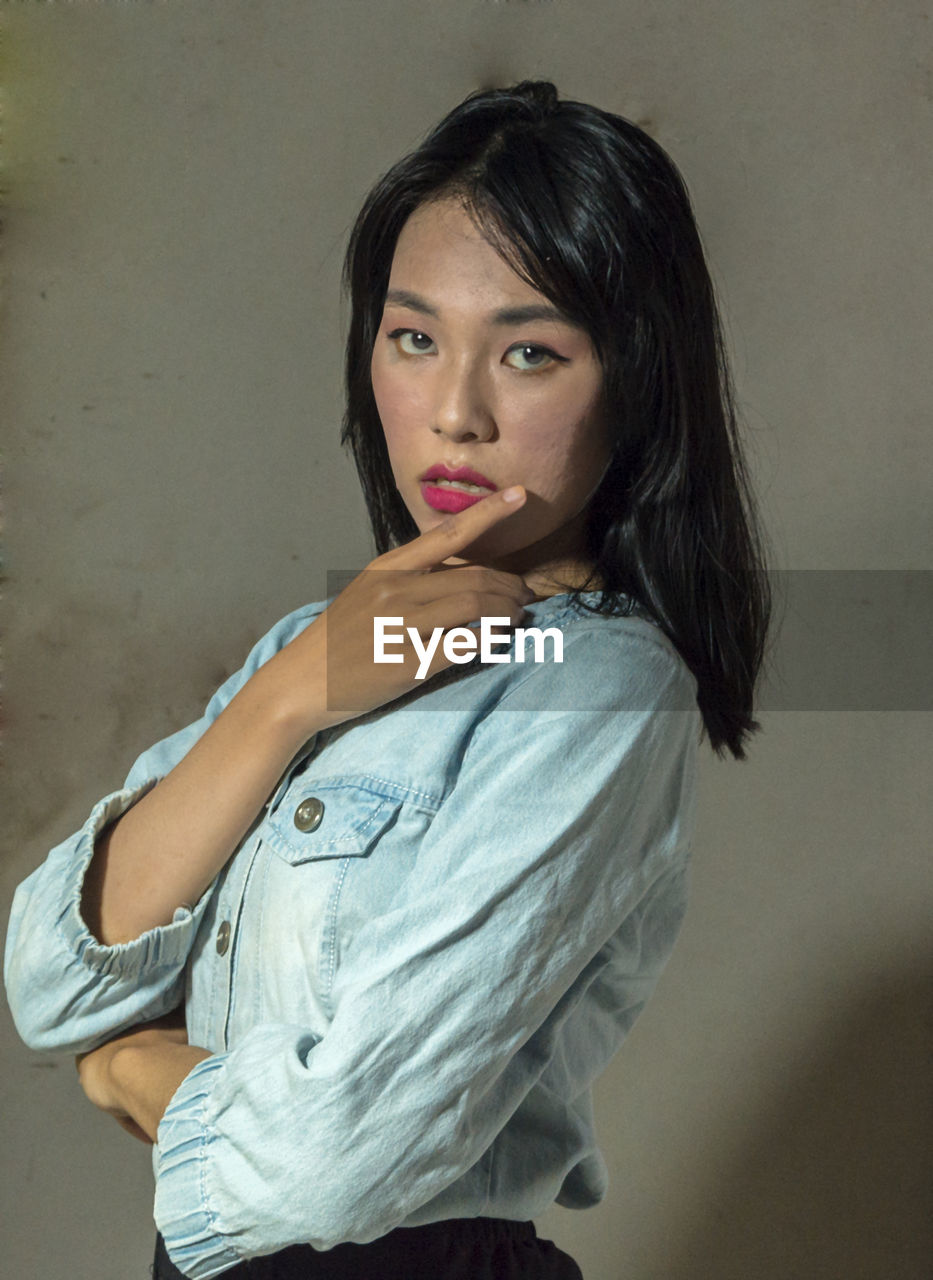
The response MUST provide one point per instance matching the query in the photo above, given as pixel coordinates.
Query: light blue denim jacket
(407, 1003)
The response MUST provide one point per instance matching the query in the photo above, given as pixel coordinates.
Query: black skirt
(457, 1249)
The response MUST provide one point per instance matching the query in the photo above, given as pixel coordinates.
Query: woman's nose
(462, 410)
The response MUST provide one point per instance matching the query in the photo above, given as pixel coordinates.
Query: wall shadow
(837, 1181)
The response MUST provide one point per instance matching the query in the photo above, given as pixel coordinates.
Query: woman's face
(473, 368)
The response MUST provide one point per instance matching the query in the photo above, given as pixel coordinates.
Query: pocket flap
(315, 820)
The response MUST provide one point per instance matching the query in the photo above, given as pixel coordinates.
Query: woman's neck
(554, 579)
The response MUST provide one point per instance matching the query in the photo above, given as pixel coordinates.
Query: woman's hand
(329, 669)
(103, 1077)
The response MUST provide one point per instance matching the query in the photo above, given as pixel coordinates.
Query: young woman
(351, 949)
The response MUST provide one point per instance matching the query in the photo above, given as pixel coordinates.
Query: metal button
(309, 813)
(223, 938)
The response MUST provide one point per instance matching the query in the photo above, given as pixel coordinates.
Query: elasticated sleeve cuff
(78, 992)
(163, 947)
(182, 1212)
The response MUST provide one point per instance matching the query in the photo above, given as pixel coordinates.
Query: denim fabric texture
(406, 1006)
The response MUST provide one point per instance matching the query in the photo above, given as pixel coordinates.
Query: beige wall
(181, 178)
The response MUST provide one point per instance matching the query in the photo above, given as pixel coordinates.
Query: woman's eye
(411, 341)
(530, 357)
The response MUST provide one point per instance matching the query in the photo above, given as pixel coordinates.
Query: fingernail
(513, 494)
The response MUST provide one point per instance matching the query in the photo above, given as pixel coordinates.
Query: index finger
(457, 531)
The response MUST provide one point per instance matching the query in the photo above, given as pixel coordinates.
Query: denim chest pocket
(314, 821)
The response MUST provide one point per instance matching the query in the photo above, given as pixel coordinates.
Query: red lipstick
(452, 497)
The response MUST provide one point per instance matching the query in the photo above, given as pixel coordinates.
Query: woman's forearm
(166, 849)
(134, 1076)
(145, 1078)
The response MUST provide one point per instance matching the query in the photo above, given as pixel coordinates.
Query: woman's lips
(449, 497)
(447, 489)
(440, 471)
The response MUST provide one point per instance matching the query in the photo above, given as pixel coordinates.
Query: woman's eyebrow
(506, 316)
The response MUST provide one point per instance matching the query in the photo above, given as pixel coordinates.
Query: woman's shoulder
(623, 650)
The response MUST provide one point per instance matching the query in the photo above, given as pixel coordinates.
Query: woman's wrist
(289, 693)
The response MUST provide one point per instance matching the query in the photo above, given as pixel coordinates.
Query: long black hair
(592, 212)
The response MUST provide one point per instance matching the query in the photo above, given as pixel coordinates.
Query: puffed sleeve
(563, 823)
(67, 991)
